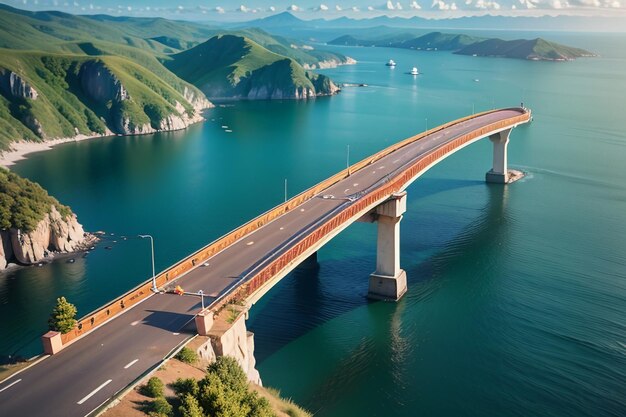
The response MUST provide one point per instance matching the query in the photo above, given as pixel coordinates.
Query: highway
(88, 372)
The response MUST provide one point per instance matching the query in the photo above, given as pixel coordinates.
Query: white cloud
(615, 4)
(220, 10)
(355, 9)
(529, 4)
(338, 8)
(558, 4)
(398, 6)
(440, 5)
(489, 5)
(271, 9)
(243, 9)
(513, 7)
(322, 7)
(454, 7)
(415, 6)
(293, 8)
(390, 6)
(370, 8)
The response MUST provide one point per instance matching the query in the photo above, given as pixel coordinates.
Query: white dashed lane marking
(10, 385)
(131, 363)
(92, 393)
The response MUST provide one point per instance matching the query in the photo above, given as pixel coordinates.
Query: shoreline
(22, 148)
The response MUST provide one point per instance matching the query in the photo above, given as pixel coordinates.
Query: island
(535, 50)
(33, 225)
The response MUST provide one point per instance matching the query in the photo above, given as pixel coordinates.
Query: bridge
(114, 345)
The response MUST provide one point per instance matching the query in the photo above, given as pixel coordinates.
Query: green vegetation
(63, 317)
(54, 56)
(187, 355)
(223, 392)
(159, 407)
(536, 49)
(229, 66)
(153, 388)
(23, 203)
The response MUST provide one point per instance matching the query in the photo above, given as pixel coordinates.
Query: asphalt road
(87, 373)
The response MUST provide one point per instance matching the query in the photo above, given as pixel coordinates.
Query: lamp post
(154, 286)
(201, 294)
(348, 159)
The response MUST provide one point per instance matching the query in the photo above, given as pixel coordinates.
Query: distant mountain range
(286, 23)
(535, 49)
(63, 75)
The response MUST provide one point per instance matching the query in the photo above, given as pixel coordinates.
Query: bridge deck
(150, 330)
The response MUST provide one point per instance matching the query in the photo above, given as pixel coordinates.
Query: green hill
(229, 66)
(46, 96)
(537, 49)
(63, 75)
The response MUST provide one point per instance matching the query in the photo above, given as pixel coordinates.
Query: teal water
(517, 295)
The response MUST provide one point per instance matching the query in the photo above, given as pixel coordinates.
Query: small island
(33, 225)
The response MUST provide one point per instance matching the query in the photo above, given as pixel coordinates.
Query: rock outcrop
(53, 234)
(102, 86)
(329, 63)
(235, 341)
(14, 86)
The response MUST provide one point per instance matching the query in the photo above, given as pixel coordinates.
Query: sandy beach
(20, 149)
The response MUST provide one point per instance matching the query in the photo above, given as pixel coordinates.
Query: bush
(182, 387)
(160, 407)
(62, 319)
(154, 388)
(187, 355)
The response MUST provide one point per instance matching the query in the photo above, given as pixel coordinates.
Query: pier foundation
(388, 282)
(499, 173)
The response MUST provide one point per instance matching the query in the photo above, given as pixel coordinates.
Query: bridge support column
(389, 280)
(499, 173)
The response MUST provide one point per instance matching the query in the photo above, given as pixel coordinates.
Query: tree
(63, 317)
(190, 407)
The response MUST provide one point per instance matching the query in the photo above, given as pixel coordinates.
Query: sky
(243, 10)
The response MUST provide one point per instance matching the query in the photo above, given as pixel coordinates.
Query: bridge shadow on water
(315, 293)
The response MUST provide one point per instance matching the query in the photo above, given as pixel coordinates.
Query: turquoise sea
(517, 295)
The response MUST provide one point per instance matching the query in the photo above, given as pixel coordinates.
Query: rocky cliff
(53, 234)
(100, 84)
(12, 85)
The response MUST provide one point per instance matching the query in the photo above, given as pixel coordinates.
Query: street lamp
(154, 286)
(201, 294)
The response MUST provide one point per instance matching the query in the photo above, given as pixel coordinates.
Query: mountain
(236, 67)
(63, 75)
(285, 22)
(537, 49)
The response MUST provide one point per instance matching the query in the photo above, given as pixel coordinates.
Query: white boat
(391, 63)
(414, 71)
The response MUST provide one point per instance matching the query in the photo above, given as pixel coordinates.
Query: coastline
(22, 148)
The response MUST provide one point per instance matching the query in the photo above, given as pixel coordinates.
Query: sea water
(517, 294)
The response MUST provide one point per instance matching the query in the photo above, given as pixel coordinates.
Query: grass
(283, 406)
(235, 66)
(23, 203)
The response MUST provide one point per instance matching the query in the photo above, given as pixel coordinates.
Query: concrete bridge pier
(389, 280)
(499, 173)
